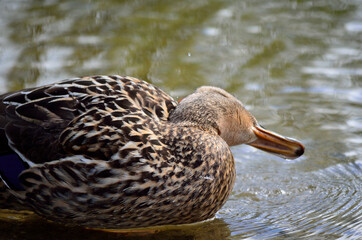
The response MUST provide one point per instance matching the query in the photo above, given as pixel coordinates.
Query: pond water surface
(296, 65)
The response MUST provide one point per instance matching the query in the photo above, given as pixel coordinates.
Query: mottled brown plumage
(117, 152)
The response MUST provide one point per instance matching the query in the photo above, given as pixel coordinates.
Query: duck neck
(203, 127)
(195, 120)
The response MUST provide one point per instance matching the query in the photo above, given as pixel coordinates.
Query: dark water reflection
(34, 227)
(295, 64)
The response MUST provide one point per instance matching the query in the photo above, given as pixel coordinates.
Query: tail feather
(4, 146)
(9, 201)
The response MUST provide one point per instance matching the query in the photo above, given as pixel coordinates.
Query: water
(296, 65)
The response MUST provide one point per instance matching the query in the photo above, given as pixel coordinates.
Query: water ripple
(326, 201)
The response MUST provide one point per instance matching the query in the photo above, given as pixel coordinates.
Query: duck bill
(276, 144)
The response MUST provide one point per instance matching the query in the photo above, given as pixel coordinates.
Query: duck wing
(79, 116)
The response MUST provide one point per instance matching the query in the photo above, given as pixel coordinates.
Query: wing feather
(81, 115)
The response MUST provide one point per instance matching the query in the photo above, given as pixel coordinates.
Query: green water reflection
(295, 64)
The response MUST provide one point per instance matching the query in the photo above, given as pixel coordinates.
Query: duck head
(213, 109)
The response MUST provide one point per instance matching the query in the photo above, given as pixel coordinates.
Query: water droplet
(354, 26)
(211, 31)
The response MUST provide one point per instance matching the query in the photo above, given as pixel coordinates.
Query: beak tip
(299, 152)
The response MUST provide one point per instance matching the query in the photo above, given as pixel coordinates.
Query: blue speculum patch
(10, 168)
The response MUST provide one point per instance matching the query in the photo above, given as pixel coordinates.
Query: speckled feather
(103, 153)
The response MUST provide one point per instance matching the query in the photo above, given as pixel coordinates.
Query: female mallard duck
(117, 152)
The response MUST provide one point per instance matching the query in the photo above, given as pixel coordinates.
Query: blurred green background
(296, 65)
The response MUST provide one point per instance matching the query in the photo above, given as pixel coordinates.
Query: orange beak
(274, 143)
